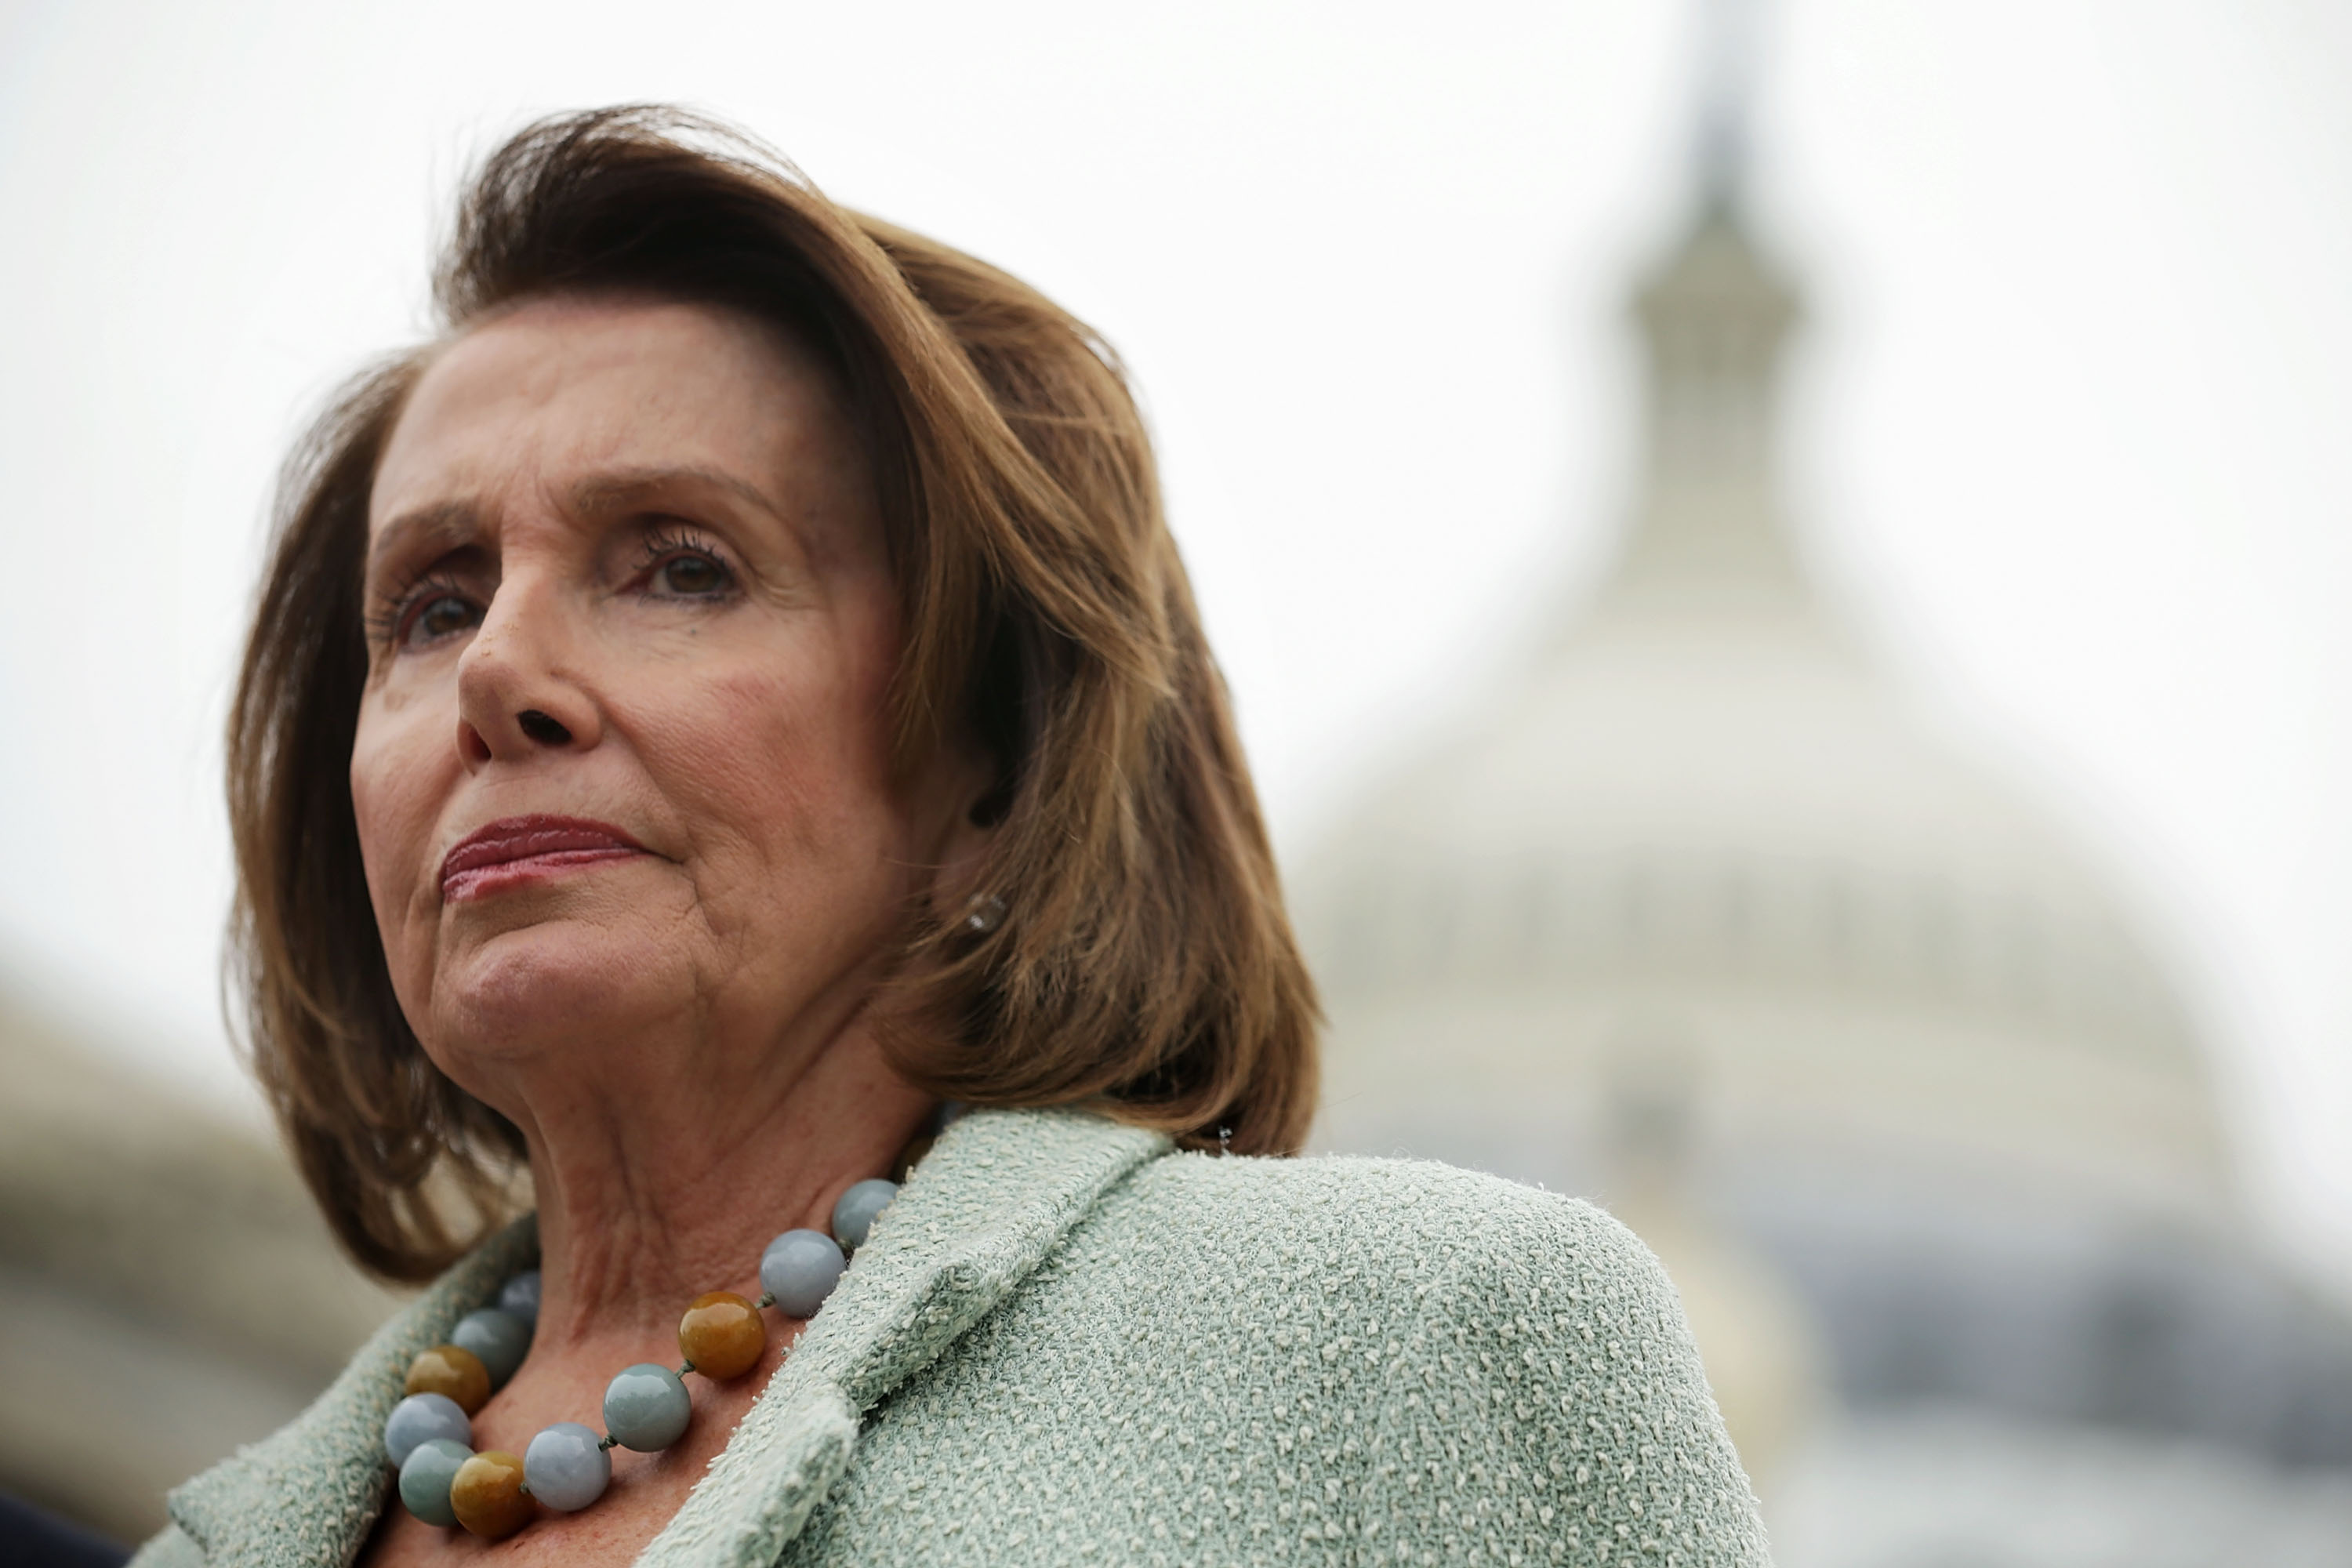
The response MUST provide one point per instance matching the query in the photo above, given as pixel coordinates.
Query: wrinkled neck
(665, 1163)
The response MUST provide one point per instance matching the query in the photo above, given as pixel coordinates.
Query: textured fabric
(310, 1491)
(1066, 1345)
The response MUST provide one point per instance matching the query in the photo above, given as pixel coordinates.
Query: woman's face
(623, 760)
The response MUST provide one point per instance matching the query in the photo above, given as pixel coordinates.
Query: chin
(550, 981)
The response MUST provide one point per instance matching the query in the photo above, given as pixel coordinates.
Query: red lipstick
(515, 851)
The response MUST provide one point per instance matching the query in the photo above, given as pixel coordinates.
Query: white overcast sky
(2072, 426)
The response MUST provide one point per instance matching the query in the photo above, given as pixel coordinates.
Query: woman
(729, 697)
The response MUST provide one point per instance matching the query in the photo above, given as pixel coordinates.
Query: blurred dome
(1703, 817)
(1939, 1111)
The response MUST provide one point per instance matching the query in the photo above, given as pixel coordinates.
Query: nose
(519, 693)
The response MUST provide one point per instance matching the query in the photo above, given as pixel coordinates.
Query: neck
(660, 1184)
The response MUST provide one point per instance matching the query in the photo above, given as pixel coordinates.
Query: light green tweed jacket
(1065, 1344)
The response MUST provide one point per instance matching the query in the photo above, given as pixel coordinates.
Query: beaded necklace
(566, 1467)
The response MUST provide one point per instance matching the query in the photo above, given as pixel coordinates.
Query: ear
(964, 796)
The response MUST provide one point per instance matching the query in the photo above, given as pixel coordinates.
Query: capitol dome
(1704, 816)
(1703, 867)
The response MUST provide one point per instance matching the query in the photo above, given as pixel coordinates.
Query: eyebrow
(614, 491)
(443, 525)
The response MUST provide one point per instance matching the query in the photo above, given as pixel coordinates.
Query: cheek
(795, 765)
(784, 761)
(399, 781)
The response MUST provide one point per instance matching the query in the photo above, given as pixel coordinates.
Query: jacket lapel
(307, 1496)
(991, 1200)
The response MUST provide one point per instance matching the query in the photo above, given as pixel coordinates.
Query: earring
(983, 914)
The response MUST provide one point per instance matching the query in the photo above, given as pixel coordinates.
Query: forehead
(558, 390)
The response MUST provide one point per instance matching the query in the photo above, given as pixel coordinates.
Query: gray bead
(419, 1418)
(646, 1407)
(853, 1216)
(425, 1480)
(566, 1468)
(520, 1297)
(497, 1337)
(799, 1270)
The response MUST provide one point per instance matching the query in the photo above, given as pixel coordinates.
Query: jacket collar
(992, 1199)
(307, 1495)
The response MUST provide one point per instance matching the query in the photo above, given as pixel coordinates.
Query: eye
(690, 576)
(679, 562)
(436, 606)
(438, 616)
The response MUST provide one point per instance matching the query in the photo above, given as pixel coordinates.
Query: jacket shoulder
(1412, 1244)
(1529, 1374)
(1413, 1218)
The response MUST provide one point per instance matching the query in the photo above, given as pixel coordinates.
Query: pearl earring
(983, 914)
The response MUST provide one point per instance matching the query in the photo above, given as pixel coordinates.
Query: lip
(515, 851)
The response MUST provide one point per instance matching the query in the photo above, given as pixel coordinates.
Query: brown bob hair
(1145, 966)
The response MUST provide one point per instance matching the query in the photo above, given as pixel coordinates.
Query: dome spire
(1713, 319)
(1726, 83)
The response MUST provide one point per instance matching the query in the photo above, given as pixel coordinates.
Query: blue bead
(497, 1337)
(425, 1480)
(800, 1269)
(646, 1408)
(853, 1216)
(520, 1297)
(565, 1468)
(419, 1418)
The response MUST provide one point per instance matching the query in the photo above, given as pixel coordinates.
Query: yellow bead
(722, 1334)
(454, 1370)
(488, 1498)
